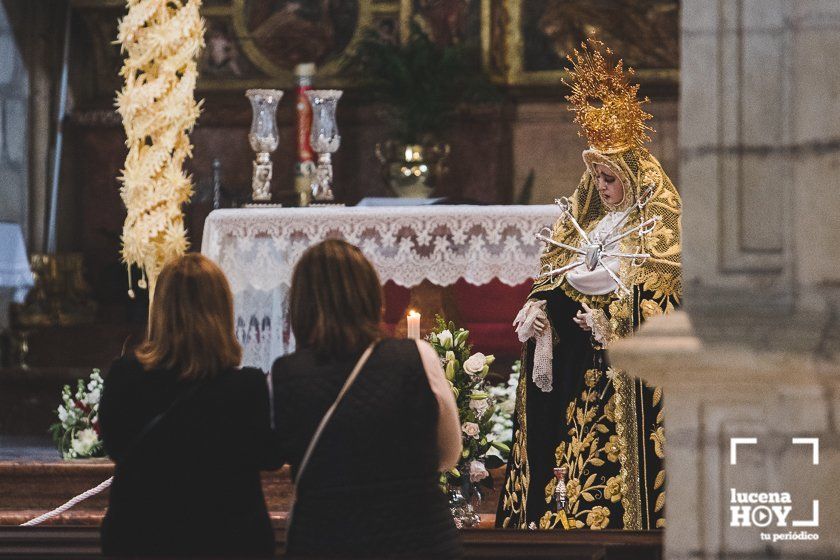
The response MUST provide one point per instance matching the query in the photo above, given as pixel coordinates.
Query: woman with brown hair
(188, 431)
(365, 423)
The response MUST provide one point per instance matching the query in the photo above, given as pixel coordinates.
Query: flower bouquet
(76, 434)
(505, 397)
(466, 373)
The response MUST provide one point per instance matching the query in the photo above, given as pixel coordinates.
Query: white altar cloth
(15, 273)
(257, 249)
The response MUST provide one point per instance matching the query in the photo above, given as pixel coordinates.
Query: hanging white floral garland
(162, 40)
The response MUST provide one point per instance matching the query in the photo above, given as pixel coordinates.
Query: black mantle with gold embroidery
(603, 425)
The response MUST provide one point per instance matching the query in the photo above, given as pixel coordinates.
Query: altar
(258, 247)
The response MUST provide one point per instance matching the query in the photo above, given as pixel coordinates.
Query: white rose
(477, 471)
(475, 363)
(471, 429)
(84, 441)
(445, 339)
(480, 406)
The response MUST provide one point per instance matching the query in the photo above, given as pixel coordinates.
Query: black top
(371, 486)
(190, 486)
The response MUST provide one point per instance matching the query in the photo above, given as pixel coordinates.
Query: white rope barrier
(70, 503)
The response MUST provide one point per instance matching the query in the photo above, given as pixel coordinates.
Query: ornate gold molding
(503, 32)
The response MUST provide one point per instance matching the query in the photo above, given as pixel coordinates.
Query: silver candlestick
(263, 138)
(325, 140)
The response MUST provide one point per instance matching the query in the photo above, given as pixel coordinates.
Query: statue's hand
(583, 320)
(595, 321)
(531, 320)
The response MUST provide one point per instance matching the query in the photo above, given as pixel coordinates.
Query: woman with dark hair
(188, 431)
(366, 423)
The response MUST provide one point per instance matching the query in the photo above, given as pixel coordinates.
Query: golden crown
(604, 101)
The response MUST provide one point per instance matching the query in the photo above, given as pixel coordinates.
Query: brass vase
(412, 170)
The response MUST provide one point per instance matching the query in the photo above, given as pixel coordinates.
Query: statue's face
(610, 188)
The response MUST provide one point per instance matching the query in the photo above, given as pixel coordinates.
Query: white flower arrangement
(466, 373)
(76, 434)
(505, 397)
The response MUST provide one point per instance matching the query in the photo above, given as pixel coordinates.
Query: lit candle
(413, 330)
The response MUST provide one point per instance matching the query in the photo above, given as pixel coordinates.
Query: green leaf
(501, 446)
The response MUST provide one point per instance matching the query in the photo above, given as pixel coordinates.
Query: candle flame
(413, 313)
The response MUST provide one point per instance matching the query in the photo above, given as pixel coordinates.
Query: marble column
(755, 351)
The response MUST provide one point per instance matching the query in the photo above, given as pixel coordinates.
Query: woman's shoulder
(125, 368)
(249, 373)
(305, 362)
(292, 363)
(398, 351)
(405, 347)
(245, 377)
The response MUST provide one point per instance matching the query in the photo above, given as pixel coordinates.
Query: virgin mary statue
(588, 448)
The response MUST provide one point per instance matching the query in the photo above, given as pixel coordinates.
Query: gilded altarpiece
(257, 43)
(525, 42)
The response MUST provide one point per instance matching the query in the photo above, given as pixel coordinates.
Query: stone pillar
(755, 353)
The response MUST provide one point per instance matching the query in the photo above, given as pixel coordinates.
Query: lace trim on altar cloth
(258, 248)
